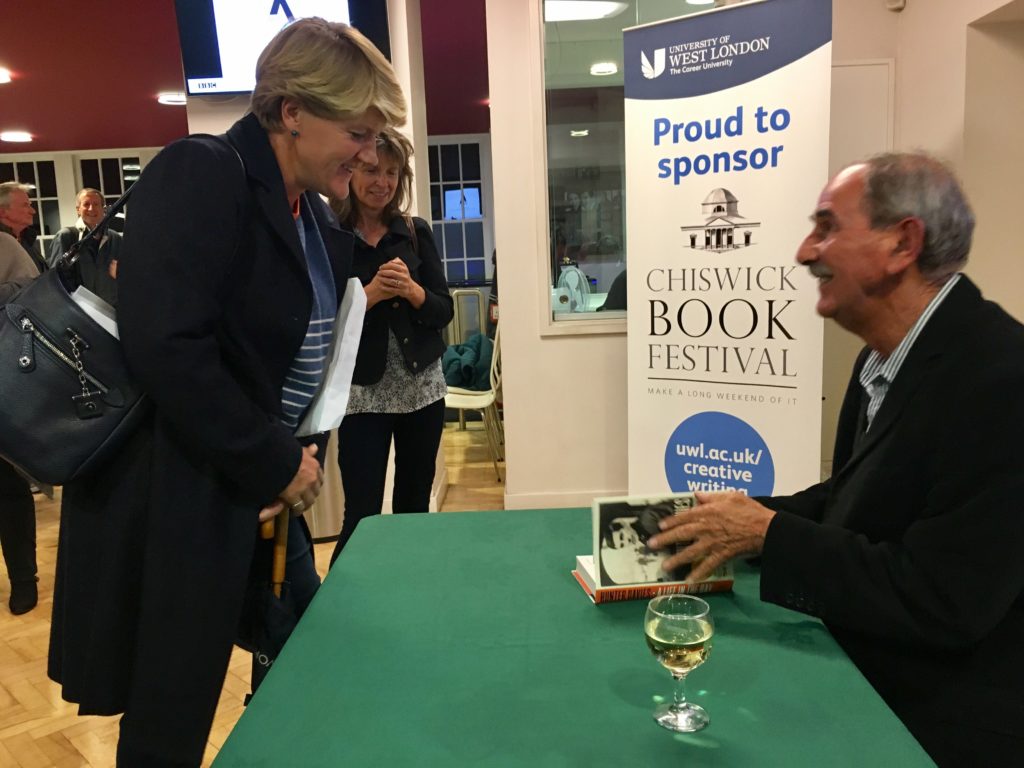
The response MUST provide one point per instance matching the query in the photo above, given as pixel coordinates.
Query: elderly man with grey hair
(16, 266)
(17, 508)
(16, 215)
(911, 553)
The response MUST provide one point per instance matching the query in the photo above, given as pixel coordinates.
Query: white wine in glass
(679, 629)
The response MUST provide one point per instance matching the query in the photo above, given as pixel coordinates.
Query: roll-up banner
(727, 125)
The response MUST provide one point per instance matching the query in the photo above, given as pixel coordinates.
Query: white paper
(102, 313)
(328, 407)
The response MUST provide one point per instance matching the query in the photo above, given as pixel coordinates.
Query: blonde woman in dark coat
(227, 277)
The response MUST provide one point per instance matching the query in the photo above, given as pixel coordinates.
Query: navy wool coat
(155, 549)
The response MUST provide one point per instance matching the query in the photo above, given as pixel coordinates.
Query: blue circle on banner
(715, 451)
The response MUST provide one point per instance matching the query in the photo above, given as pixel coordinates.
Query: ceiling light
(581, 10)
(579, 134)
(700, 2)
(131, 167)
(604, 68)
(15, 136)
(5, 75)
(177, 98)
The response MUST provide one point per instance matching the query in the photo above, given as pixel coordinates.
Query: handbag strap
(71, 255)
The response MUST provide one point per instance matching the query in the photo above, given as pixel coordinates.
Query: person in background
(17, 507)
(97, 262)
(17, 269)
(397, 388)
(911, 552)
(18, 538)
(232, 276)
(492, 297)
(17, 214)
(616, 298)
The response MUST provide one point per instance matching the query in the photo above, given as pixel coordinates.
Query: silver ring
(298, 506)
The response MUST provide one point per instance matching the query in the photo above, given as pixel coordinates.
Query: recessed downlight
(15, 136)
(603, 68)
(581, 10)
(175, 98)
(580, 133)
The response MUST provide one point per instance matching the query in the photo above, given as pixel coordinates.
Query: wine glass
(679, 630)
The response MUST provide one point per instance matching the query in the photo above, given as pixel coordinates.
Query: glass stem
(679, 697)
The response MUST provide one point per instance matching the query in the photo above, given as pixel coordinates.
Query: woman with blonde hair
(398, 387)
(231, 275)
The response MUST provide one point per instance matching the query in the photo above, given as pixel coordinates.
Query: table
(461, 639)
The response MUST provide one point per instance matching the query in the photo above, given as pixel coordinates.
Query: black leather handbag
(67, 400)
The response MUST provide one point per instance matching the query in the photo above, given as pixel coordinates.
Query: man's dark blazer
(93, 261)
(913, 552)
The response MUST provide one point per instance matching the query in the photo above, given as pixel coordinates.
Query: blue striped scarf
(310, 364)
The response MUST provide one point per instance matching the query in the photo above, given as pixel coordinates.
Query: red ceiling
(455, 66)
(86, 77)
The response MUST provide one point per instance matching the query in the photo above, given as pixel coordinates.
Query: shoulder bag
(67, 398)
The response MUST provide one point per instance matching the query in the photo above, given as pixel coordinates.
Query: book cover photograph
(623, 567)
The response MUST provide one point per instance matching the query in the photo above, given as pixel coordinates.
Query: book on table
(623, 567)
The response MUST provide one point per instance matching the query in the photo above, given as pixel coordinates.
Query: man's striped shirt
(878, 374)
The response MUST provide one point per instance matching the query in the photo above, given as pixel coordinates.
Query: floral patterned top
(398, 390)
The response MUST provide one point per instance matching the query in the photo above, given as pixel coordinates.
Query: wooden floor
(38, 729)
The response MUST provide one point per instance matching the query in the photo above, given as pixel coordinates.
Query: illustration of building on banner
(724, 229)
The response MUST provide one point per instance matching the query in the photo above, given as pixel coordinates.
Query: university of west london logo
(649, 70)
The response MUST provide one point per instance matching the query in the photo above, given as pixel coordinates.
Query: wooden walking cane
(277, 529)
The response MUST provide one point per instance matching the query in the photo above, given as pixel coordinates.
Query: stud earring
(295, 133)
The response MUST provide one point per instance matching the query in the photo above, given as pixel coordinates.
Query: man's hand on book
(722, 526)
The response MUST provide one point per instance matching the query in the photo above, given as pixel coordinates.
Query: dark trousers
(17, 524)
(364, 443)
(143, 732)
(302, 582)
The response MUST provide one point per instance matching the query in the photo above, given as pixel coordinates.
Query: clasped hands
(722, 526)
(393, 279)
(301, 491)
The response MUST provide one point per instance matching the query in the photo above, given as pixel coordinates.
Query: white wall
(993, 163)
(864, 29)
(564, 396)
(931, 70)
(407, 57)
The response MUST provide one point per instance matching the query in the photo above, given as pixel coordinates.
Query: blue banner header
(722, 49)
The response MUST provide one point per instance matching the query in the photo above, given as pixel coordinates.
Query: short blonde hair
(397, 147)
(330, 69)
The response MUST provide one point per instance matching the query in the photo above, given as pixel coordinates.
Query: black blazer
(913, 552)
(417, 330)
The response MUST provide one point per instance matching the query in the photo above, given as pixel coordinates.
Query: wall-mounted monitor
(221, 39)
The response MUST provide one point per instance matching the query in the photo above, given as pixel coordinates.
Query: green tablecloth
(463, 640)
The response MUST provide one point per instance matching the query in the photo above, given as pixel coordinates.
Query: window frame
(483, 142)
